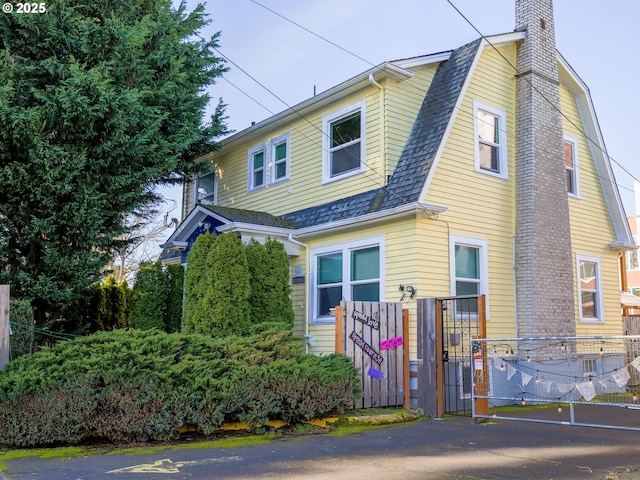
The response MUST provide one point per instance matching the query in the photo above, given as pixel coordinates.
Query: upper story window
(589, 289)
(469, 272)
(351, 271)
(343, 142)
(257, 170)
(490, 128)
(206, 187)
(279, 164)
(571, 164)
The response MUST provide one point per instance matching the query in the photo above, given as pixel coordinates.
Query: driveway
(453, 448)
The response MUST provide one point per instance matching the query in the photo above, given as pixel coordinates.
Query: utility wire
(581, 130)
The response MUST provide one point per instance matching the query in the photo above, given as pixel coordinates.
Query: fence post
(339, 345)
(4, 325)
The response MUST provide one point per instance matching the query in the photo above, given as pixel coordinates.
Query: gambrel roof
(409, 181)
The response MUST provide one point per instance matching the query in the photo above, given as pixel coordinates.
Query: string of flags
(586, 386)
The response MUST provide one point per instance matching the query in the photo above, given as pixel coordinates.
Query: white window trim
(576, 164)
(253, 151)
(212, 199)
(344, 248)
(326, 144)
(503, 164)
(284, 138)
(483, 245)
(599, 318)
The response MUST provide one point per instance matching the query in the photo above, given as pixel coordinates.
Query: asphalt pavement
(453, 448)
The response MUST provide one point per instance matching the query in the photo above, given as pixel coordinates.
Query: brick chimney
(543, 259)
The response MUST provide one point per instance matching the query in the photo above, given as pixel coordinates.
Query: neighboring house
(451, 173)
(631, 261)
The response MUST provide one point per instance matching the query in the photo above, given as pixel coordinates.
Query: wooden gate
(376, 336)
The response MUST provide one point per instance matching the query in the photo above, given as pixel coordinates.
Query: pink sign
(391, 343)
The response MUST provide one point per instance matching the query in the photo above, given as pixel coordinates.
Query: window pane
(206, 185)
(345, 130)
(589, 304)
(488, 127)
(467, 262)
(466, 288)
(568, 154)
(330, 268)
(345, 159)
(488, 157)
(258, 178)
(588, 275)
(328, 297)
(365, 263)
(281, 170)
(366, 292)
(570, 184)
(258, 160)
(281, 151)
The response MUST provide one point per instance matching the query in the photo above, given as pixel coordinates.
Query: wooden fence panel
(375, 336)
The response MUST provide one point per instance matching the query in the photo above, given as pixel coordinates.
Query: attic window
(343, 142)
(207, 188)
(257, 170)
(490, 140)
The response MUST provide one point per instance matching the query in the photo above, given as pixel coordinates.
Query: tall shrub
(149, 298)
(22, 323)
(197, 283)
(112, 305)
(230, 288)
(174, 278)
(270, 289)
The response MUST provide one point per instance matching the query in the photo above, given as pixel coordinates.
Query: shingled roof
(418, 155)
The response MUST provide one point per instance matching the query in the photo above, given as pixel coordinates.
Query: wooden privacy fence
(376, 336)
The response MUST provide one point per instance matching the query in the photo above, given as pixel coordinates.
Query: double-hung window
(589, 289)
(257, 167)
(206, 188)
(352, 271)
(571, 164)
(343, 142)
(490, 140)
(469, 273)
(279, 164)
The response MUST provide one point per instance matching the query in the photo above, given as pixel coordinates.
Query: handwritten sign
(366, 319)
(372, 372)
(391, 343)
(368, 349)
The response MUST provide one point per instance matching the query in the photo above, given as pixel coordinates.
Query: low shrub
(125, 386)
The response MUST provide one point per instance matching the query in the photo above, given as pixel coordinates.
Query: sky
(275, 64)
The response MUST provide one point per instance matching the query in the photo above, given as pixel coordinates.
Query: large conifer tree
(99, 103)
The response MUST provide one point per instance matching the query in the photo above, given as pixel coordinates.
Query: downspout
(383, 137)
(306, 292)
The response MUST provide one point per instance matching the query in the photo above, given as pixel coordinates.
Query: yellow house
(417, 178)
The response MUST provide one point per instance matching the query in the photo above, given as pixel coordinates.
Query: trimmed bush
(149, 298)
(197, 284)
(270, 289)
(22, 338)
(141, 386)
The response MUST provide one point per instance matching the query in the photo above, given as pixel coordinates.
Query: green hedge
(140, 386)
(22, 324)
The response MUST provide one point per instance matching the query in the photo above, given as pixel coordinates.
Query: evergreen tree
(197, 283)
(99, 102)
(270, 289)
(149, 298)
(230, 288)
(174, 276)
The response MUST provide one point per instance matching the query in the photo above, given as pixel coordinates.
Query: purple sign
(391, 343)
(372, 372)
(368, 349)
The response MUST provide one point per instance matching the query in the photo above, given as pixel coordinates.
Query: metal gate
(446, 328)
